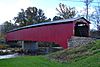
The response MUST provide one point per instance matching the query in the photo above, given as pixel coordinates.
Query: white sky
(10, 8)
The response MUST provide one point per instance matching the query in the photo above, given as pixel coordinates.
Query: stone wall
(78, 41)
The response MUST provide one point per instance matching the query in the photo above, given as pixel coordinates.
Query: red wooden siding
(58, 33)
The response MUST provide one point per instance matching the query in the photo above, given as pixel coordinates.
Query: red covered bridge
(58, 32)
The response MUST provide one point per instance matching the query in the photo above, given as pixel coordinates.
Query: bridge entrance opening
(81, 29)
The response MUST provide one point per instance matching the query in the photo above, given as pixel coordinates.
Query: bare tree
(87, 3)
(95, 17)
(66, 12)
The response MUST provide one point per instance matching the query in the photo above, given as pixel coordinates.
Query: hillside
(76, 53)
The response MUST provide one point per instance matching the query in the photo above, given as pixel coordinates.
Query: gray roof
(49, 23)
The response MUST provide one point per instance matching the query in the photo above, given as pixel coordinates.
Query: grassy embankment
(83, 56)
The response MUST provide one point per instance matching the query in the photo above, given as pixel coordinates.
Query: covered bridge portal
(58, 32)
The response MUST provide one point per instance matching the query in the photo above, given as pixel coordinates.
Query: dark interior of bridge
(81, 29)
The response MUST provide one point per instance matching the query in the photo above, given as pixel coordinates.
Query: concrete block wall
(29, 46)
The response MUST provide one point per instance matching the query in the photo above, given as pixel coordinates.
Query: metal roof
(49, 23)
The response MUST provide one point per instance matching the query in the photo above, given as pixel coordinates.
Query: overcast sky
(10, 8)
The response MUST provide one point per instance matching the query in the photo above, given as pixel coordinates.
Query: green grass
(39, 61)
(91, 61)
(28, 61)
(85, 56)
